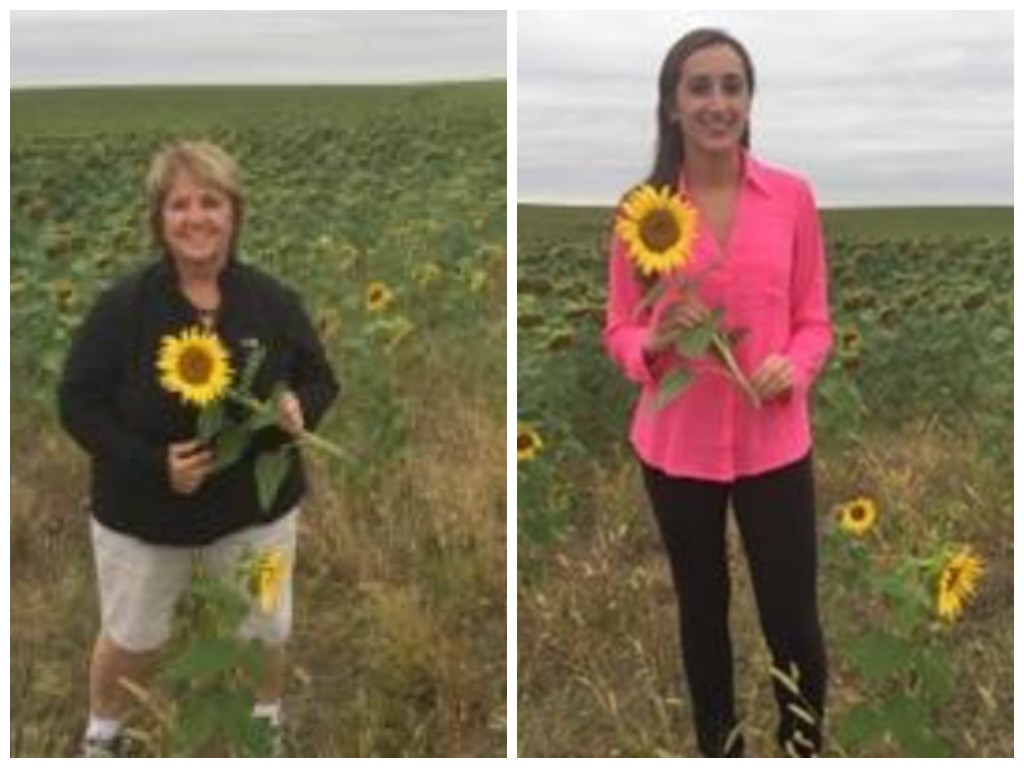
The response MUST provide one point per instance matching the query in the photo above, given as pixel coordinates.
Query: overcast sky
(90, 48)
(876, 108)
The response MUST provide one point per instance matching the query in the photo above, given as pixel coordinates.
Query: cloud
(96, 48)
(876, 108)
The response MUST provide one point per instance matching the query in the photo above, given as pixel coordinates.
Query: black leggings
(776, 517)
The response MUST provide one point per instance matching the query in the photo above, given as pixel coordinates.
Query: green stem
(304, 435)
(730, 362)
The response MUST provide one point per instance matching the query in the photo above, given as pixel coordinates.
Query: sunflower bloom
(378, 296)
(427, 274)
(958, 582)
(857, 517)
(194, 365)
(659, 228)
(267, 574)
(850, 341)
(528, 443)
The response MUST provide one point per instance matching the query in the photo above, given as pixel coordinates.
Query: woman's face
(712, 99)
(198, 221)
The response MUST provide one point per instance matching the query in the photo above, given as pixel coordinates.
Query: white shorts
(140, 584)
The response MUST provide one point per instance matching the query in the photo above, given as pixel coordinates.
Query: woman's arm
(86, 392)
(626, 336)
(811, 334)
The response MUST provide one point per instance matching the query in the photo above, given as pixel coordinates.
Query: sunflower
(427, 273)
(958, 582)
(267, 573)
(658, 228)
(194, 365)
(528, 443)
(378, 296)
(64, 292)
(857, 517)
(850, 341)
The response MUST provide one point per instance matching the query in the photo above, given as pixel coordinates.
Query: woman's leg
(691, 516)
(139, 585)
(776, 516)
(271, 623)
(109, 699)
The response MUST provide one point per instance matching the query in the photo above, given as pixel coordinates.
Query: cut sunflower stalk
(268, 411)
(659, 228)
(195, 366)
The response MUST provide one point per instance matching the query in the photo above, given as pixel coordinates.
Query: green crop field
(399, 645)
(914, 413)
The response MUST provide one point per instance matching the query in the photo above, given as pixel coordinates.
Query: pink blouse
(771, 280)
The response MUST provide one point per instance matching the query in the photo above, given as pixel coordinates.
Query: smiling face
(197, 223)
(712, 100)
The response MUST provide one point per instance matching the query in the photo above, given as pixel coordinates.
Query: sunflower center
(659, 230)
(953, 578)
(195, 366)
(524, 442)
(858, 514)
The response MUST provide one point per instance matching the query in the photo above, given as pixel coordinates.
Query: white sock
(102, 728)
(270, 711)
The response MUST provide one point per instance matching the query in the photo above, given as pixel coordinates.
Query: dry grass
(399, 645)
(599, 671)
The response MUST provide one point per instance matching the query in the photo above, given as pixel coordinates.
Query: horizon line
(282, 84)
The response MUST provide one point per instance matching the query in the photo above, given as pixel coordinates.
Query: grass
(599, 672)
(399, 642)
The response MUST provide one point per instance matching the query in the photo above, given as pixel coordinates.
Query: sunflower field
(913, 450)
(386, 208)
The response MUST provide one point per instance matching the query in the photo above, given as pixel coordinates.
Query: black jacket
(112, 404)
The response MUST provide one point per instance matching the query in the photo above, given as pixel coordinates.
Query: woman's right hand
(188, 465)
(684, 314)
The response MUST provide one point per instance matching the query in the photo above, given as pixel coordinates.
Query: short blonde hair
(209, 165)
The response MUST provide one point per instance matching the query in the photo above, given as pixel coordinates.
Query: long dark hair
(669, 150)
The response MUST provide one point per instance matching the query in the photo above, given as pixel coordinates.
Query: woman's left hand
(289, 413)
(774, 378)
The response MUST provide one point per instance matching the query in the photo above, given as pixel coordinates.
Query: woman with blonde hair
(157, 498)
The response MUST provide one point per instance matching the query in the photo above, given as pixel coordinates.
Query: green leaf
(221, 608)
(266, 416)
(249, 735)
(1000, 335)
(860, 727)
(671, 385)
(211, 419)
(910, 599)
(271, 469)
(203, 660)
(230, 445)
(937, 676)
(194, 727)
(252, 367)
(908, 720)
(879, 655)
(542, 526)
(695, 341)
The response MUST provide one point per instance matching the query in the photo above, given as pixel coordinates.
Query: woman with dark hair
(759, 255)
